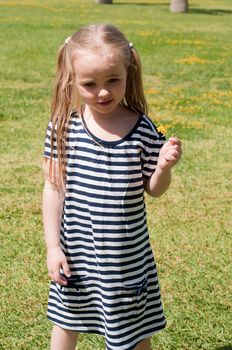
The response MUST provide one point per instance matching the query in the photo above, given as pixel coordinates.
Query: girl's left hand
(170, 153)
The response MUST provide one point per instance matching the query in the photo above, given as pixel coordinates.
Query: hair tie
(131, 45)
(67, 40)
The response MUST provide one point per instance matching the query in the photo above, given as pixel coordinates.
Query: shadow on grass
(226, 347)
(211, 12)
(143, 4)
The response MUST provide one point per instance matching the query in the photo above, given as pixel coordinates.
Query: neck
(104, 118)
(111, 126)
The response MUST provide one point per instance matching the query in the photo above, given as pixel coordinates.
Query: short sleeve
(50, 152)
(153, 142)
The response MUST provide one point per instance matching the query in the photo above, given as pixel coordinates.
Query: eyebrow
(86, 80)
(90, 80)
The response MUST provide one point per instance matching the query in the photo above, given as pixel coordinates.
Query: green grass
(187, 76)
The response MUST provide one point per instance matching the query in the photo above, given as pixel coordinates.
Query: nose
(103, 93)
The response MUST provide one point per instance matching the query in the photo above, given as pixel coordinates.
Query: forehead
(98, 62)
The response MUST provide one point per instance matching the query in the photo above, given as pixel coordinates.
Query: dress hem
(147, 335)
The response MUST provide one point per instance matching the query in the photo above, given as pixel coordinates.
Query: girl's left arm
(160, 180)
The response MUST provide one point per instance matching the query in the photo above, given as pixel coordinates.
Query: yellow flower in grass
(6, 3)
(197, 125)
(184, 42)
(192, 60)
(145, 33)
(175, 89)
(151, 91)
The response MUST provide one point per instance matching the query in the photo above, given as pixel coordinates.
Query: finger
(176, 146)
(57, 278)
(62, 281)
(171, 158)
(65, 268)
(174, 141)
(176, 153)
(172, 153)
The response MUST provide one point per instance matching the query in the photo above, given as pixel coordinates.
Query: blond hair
(65, 97)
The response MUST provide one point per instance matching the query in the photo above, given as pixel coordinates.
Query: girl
(101, 153)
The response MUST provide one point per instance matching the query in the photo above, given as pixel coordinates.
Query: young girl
(101, 153)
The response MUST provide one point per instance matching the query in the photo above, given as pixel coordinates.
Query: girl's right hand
(56, 260)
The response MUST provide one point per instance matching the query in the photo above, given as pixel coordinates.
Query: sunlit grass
(187, 77)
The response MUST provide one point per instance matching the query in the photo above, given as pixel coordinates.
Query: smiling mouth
(104, 103)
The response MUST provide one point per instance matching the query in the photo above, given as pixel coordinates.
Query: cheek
(84, 93)
(123, 87)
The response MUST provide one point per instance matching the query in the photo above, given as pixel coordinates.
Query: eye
(113, 80)
(89, 84)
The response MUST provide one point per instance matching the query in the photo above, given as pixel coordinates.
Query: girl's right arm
(52, 207)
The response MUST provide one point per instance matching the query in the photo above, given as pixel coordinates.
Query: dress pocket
(134, 297)
(76, 294)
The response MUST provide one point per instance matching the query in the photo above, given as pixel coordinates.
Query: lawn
(187, 78)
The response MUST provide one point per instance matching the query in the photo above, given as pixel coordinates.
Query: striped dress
(113, 289)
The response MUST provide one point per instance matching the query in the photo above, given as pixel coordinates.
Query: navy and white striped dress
(113, 290)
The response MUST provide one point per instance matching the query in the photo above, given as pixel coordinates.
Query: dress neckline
(110, 143)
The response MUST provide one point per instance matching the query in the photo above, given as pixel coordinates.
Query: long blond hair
(65, 97)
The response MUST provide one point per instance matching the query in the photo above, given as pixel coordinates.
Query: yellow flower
(145, 33)
(163, 128)
(183, 42)
(192, 60)
(151, 91)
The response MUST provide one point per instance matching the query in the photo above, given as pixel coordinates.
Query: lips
(104, 103)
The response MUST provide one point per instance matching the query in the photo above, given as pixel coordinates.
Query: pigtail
(60, 112)
(134, 96)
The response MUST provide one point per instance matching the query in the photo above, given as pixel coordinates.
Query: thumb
(66, 269)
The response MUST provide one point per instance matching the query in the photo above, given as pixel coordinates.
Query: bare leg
(144, 345)
(63, 339)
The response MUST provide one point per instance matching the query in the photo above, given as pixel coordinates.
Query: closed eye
(89, 84)
(113, 80)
